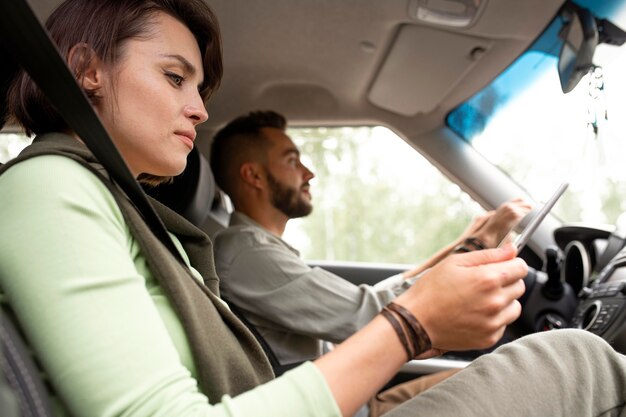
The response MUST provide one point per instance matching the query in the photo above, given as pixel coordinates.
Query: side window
(11, 144)
(376, 199)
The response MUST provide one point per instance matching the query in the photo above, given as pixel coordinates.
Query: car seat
(21, 374)
(195, 195)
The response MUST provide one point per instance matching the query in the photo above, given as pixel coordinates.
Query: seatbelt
(27, 41)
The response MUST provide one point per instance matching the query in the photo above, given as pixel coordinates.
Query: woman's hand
(467, 300)
(464, 302)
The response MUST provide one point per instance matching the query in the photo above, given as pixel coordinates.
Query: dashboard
(602, 303)
(582, 285)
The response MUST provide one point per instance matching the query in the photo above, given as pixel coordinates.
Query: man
(293, 306)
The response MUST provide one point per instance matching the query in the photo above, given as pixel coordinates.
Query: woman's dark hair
(104, 26)
(240, 141)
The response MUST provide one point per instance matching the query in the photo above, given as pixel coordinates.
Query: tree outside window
(376, 199)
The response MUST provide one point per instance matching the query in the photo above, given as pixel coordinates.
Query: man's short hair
(241, 141)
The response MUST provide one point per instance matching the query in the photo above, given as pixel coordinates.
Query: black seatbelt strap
(24, 37)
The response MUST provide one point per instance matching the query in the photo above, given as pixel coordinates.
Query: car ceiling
(359, 61)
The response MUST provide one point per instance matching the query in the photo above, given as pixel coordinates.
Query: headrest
(192, 193)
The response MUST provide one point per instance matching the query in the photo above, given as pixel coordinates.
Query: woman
(121, 328)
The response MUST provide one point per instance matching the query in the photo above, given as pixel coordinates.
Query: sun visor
(440, 61)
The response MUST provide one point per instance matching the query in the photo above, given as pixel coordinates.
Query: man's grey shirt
(293, 306)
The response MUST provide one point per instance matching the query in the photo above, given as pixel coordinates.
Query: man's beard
(287, 199)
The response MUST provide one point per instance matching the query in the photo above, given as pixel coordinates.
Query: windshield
(524, 124)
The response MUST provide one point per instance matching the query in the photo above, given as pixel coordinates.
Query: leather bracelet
(420, 339)
(397, 327)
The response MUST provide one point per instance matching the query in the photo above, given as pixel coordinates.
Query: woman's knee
(567, 339)
(560, 346)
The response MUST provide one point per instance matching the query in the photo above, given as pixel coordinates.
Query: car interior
(418, 68)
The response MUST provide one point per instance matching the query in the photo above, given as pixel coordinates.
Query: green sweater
(98, 321)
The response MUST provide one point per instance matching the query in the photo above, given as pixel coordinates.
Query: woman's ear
(87, 67)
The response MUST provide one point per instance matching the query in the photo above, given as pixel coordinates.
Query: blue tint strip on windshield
(602, 9)
(471, 117)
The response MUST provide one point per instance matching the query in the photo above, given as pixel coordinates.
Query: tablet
(532, 225)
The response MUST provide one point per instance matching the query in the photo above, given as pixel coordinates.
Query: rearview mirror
(580, 38)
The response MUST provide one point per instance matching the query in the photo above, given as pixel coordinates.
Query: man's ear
(87, 67)
(251, 174)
